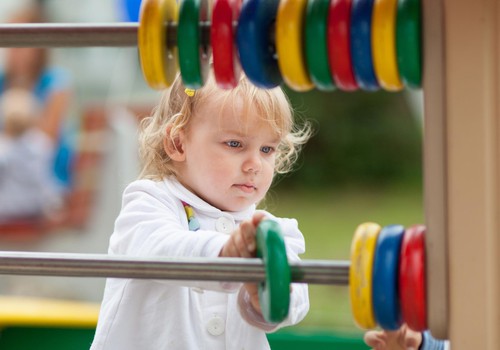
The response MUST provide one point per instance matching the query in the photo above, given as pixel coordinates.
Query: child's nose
(253, 163)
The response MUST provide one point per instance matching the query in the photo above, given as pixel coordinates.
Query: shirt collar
(183, 194)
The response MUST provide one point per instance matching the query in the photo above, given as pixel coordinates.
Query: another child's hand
(402, 339)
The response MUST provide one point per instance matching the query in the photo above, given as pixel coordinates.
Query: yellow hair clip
(189, 92)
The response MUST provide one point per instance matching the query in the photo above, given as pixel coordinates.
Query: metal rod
(83, 34)
(68, 34)
(200, 269)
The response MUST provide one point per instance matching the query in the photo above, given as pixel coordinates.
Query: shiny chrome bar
(201, 269)
(83, 34)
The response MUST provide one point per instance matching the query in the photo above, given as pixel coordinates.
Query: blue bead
(361, 44)
(194, 224)
(256, 50)
(385, 289)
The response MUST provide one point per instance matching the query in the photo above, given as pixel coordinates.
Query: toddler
(209, 156)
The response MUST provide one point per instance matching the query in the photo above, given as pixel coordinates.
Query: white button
(216, 325)
(224, 225)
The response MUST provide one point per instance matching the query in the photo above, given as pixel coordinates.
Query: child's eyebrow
(233, 132)
(238, 133)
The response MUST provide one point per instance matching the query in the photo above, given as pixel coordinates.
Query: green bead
(274, 293)
(316, 49)
(193, 58)
(409, 42)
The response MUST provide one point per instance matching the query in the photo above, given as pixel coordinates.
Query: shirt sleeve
(429, 343)
(150, 225)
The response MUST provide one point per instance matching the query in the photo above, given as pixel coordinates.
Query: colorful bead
(194, 55)
(255, 46)
(384, 44)
(158, 61)
(361, 44)
(385, 297)
(290, 44)
(339, 44)
(226, 64)
(193, 223)
(360, 274)
(316, 44)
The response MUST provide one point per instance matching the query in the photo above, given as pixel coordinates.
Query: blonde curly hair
(177, 107)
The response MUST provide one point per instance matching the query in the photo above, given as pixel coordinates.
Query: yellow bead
(159, 63)
(289, 44)
(360, 274)
(384, 44)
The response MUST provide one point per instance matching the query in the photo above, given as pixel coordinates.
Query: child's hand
(402, 339)
(242, 243)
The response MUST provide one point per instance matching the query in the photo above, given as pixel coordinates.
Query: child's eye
(233, 144)
(267, 149)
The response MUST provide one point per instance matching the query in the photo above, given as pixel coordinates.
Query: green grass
(328, 220)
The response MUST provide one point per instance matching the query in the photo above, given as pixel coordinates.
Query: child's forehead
(235, 117)
(228, 100)
(237, 108)
(234, 114)
(245, 106)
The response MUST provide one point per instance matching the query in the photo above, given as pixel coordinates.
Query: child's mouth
(247, 188)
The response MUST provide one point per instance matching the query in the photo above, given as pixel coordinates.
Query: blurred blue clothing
(52, 79)
(429, 343)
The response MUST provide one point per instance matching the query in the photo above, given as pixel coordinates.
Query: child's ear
(173, 144)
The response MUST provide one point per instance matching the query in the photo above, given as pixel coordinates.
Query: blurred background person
(27, 186)
(29, 69)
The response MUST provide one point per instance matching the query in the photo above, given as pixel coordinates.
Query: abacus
(391, 257)
(307, 44)
(460, 83)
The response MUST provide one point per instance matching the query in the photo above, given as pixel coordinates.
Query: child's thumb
(411, 344)
(257, 218)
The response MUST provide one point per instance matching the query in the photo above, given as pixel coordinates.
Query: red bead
(226, 65)
(339, 44)
(412, 286)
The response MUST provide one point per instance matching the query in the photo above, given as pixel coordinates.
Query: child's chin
(239, 205)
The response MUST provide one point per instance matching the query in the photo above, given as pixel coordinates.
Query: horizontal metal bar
(200, 269)
(68, 34)
(83, 34)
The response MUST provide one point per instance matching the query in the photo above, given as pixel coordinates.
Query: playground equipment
(374, 249)
(460, 77)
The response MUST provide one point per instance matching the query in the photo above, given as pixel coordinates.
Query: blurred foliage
(328, 218)
(368, 138)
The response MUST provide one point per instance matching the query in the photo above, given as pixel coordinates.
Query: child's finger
(240, 241)
(257, 218)
(404, 339)
(229, 249)
(253, 292)
(375, 339)
(248, 235)
(412, 339)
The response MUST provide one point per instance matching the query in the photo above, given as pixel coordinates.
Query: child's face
(229, 158)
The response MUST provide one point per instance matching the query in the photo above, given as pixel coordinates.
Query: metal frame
(82, 34)
(201, 269)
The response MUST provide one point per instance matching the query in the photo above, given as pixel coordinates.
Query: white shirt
(175, 315)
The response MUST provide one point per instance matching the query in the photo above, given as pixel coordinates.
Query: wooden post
(462, 162)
